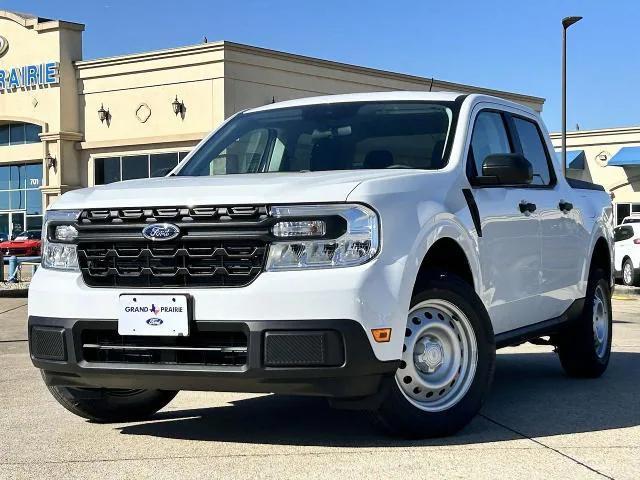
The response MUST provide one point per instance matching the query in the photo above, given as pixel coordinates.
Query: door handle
(527, 207)
(565, 206)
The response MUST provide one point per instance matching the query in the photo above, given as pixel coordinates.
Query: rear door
(510, 242)
(563, 238)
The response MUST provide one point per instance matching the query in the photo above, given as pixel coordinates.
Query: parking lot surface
(537, 423)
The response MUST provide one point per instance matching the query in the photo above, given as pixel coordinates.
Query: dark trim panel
(541, 329)
(360, 374)
(582, 185)
(473, 210)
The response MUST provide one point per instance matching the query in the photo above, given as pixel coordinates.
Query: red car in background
(24, 244)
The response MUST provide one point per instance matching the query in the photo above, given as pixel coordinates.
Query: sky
(501, 44)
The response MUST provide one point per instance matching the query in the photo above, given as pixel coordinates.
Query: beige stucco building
(609, 157)
(67, 123)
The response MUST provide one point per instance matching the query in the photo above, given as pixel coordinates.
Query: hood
(258, 188)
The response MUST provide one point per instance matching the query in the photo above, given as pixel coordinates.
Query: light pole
(566, 23)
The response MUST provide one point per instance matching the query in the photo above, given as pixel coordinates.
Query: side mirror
(505, 169)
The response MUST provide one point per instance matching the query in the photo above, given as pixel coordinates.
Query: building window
(626, 209)
(18, 133)
(129, 167)
(20, 198)
(135, 166)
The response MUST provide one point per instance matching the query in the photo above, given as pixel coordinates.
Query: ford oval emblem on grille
(160, 231)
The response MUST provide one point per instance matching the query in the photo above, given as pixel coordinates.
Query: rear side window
(533, 150)
(489, 137)
(623, 233)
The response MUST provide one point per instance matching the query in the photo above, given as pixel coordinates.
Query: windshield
(29, 234)
(339, 136)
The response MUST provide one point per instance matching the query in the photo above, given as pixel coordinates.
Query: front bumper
(358, 374)
(374, 295)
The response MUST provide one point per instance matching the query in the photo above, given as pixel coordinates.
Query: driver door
(510, 243)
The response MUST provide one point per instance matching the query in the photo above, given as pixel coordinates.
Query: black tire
(633, 281)
(577, 347)
(104, 405)
(399, 416)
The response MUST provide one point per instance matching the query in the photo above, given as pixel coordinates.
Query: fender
(439, 226)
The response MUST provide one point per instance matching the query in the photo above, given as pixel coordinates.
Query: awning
(575, 159)
(626, 156)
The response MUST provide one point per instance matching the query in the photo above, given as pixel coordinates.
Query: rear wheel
(111, 405)
(629, 277)
(584, 349)
(447, 362)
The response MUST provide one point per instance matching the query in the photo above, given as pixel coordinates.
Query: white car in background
(627, 252)
(631, 219)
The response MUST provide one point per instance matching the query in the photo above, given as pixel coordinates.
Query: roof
(28, 20)
(630, 130)
(362, 97)
(575, 158)
(626, 157)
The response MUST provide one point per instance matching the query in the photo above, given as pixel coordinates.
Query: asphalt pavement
(537, 423)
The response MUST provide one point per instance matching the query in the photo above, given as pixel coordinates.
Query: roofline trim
(243, 48)
(598, 132)
(39, 24)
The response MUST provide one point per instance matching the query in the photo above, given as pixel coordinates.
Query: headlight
(323, 236)
(58, 251)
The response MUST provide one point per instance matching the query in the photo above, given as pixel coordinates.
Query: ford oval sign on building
(160, 231)
(4, 45)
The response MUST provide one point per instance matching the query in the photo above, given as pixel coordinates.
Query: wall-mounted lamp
(178, 106)
(103, 114)
(51, 161)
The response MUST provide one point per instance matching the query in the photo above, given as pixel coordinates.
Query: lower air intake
(303, 349)
(47, 343)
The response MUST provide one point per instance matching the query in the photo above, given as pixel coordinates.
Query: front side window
(489, 137)
(533, 150)
(339, 136)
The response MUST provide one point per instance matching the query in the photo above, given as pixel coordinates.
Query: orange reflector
(381, 335)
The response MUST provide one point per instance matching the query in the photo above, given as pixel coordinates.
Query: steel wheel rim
(439, 358)
(627, 274)
(600, 317)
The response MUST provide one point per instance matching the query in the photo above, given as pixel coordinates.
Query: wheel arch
(601, 257)
(447, 255)
(444, 245)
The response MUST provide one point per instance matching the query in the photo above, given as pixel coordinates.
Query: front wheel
(447, 362)
(105, 405)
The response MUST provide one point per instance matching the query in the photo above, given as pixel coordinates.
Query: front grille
(217, 247)
(221, 348)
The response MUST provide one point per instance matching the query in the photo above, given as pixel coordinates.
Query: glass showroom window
(20, 198)
(18, 133)
(128, 167)
(625, 209)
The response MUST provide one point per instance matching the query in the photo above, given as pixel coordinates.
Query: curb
(626, 291)
(14, 293)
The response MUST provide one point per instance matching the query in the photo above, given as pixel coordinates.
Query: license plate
(161, 315)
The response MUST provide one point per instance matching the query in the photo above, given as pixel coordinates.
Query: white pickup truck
(374, 249)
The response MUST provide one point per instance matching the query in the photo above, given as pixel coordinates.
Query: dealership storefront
(67, 123)
(609, 157)
(20, 196)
